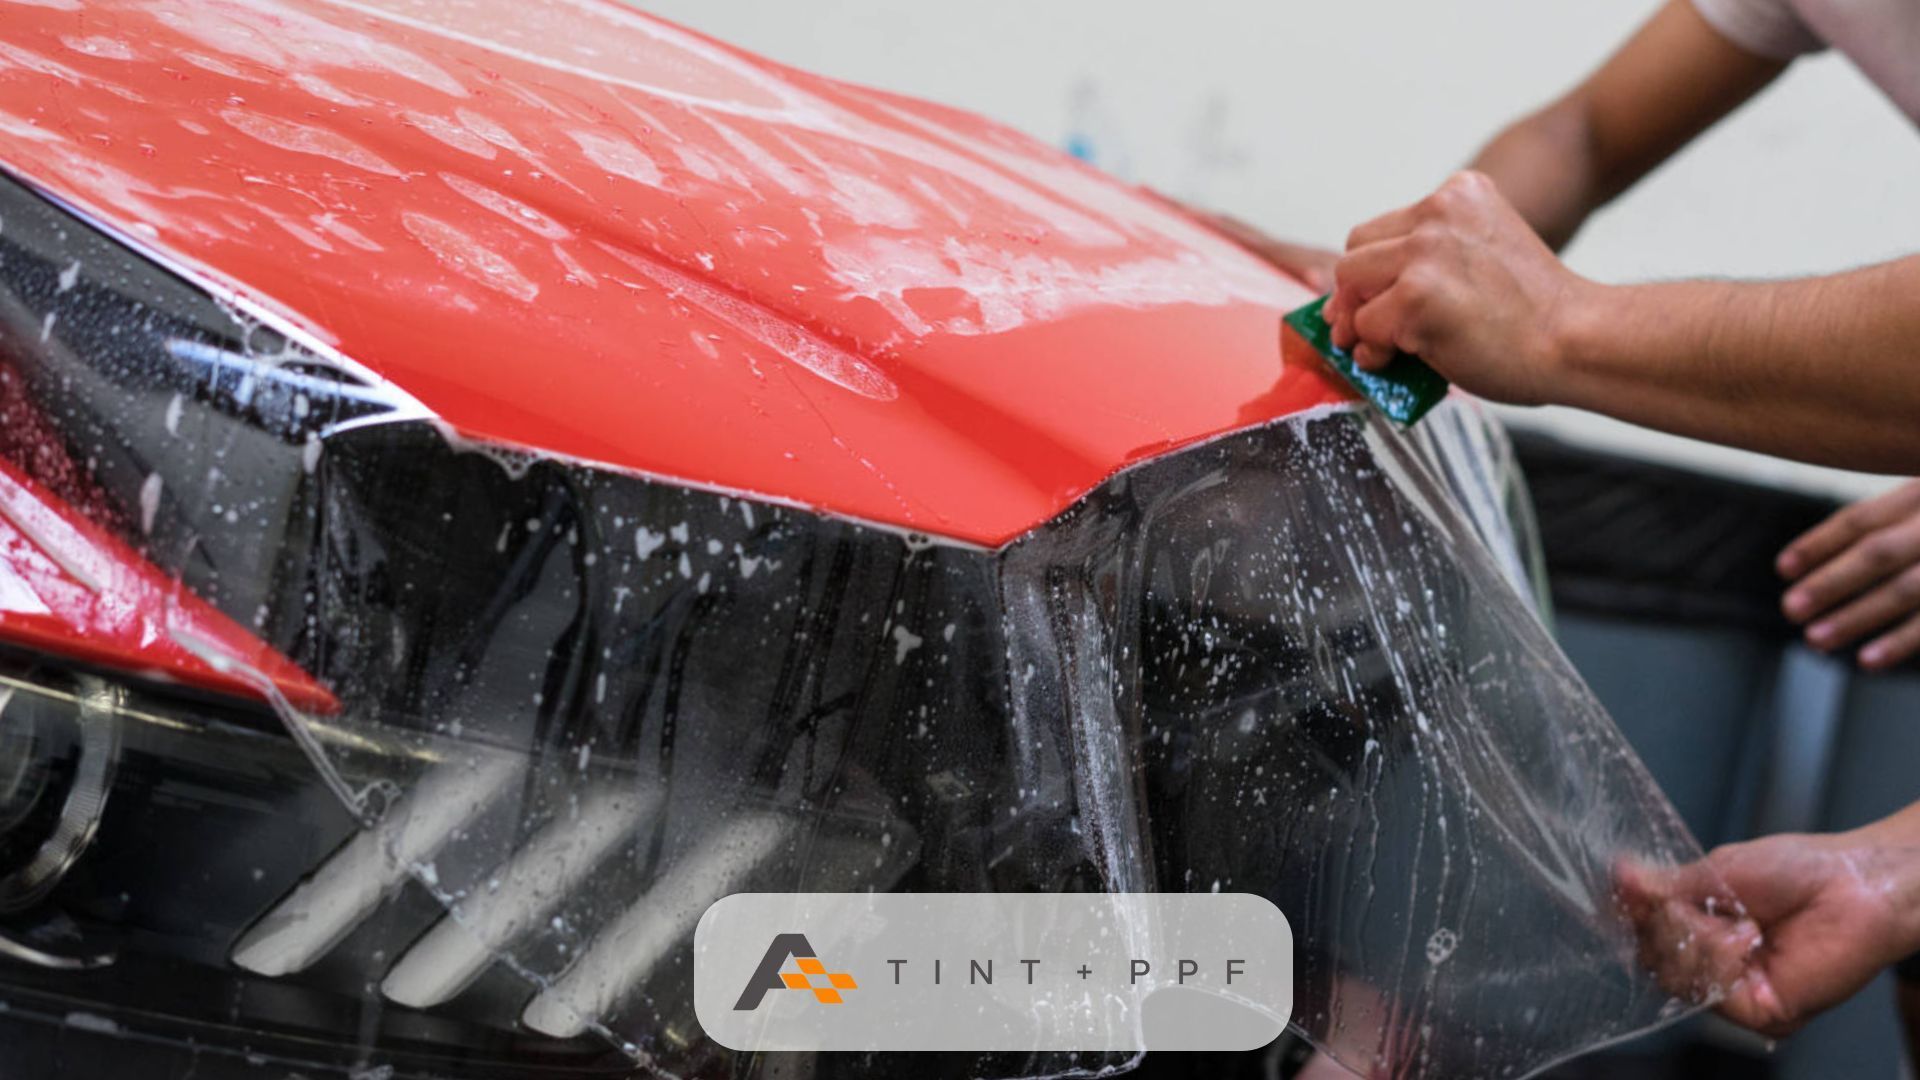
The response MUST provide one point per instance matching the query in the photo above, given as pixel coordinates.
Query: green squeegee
(1405, 389)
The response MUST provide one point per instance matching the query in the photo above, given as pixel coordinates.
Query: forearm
(1822, 369)
(1672, 80)
(1893, 864)
(1544, 165)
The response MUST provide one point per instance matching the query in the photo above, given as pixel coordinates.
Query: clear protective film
(578, 706)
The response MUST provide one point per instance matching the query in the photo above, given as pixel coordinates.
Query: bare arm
(1672, 80)
(1823, 369)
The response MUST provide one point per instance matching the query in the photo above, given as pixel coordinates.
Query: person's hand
(1816, 917)
(1313, 266)
(1460, 280)
(1858, 573)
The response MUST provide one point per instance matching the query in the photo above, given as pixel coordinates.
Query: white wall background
(1308, 118)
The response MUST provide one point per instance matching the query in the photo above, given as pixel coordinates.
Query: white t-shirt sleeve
(1769, 28)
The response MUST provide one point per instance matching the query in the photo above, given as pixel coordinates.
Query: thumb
(1693, 936)
(1753, 1002)
(1640, 884)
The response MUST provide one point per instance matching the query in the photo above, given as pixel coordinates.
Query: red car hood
(573, 227)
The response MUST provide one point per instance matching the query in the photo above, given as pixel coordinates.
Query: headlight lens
(27, 769)
(64, 752)
(576, 706)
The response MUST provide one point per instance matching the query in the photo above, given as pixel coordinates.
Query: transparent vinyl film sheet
(566, 709)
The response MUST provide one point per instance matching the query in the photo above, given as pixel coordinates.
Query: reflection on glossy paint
(382, 171)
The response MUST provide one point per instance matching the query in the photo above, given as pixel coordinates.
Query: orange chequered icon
(827, 991)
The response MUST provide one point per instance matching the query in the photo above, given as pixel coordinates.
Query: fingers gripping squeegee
(1405, 389)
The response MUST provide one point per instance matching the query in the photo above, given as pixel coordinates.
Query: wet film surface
(572, 707)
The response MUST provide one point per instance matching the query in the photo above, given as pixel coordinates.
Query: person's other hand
(1817, 916)
(1313, 266)
(1462, 281)
(1858, 573)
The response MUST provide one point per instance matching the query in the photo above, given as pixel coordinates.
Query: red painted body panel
(570, 226)
(67, 586)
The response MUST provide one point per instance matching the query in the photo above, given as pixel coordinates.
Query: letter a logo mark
(768, 976)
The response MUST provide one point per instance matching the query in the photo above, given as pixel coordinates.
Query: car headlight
(58, 757)
(350, 740)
